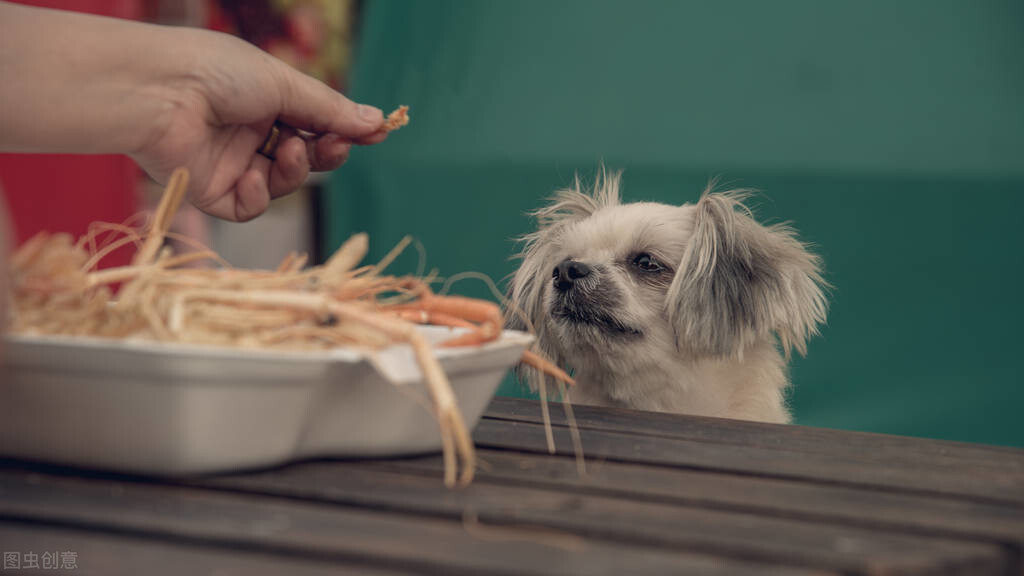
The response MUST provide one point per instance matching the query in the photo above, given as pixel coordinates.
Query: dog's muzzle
(567, 273)
(580, 299)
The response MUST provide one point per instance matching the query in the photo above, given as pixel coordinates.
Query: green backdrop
(890, 133)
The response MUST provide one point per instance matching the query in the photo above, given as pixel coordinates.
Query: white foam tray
(172, 409)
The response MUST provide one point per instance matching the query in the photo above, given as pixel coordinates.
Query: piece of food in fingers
(396, 119)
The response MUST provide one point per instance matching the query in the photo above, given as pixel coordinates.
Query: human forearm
(80, 83)
(172, 97)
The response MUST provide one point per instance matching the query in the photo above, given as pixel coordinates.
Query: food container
(176, 409)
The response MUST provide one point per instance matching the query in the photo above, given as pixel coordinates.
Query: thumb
(309, 104)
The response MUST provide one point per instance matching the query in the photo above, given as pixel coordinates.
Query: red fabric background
(64, 193)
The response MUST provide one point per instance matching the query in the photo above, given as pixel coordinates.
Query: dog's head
(602, 281)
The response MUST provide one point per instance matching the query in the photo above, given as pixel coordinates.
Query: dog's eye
(647, 263)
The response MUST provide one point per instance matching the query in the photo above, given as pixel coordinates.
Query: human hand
(217, 111)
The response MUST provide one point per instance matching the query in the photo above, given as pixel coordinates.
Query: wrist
(162, 89)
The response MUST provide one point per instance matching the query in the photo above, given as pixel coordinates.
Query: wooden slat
(1003, 487)
(766, 539)
(328, 533)
(861, 445)
(118, 554)
(900, 512)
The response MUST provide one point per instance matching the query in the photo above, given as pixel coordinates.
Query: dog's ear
(525, 309)
(739, 281)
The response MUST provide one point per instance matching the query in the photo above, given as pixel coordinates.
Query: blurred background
(891, 134)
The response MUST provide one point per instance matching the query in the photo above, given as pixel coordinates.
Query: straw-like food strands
(57, 290)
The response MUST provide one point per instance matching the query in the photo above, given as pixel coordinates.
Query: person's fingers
(309, 104)
(290, 167)
(328, 152)
(375, 138)
(252, 195)
(247, 198)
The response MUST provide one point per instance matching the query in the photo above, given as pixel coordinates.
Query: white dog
(668, 308)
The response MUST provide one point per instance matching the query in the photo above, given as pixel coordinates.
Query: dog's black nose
(568, 272)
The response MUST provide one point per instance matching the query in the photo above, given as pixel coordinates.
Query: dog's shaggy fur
(690, 309)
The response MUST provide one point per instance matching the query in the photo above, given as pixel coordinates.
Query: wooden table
(661, 494)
